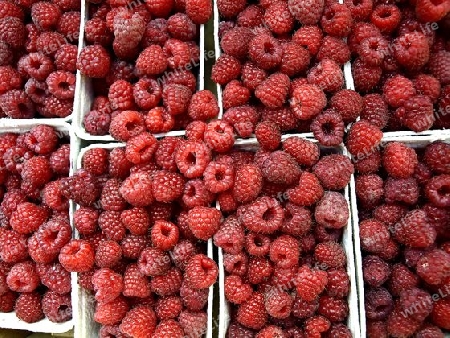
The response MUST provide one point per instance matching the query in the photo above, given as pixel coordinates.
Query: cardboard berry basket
(84, 302)
(84, 90)
(413, 140)
(64, 130)
(347, 243)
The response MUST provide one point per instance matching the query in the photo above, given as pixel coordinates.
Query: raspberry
(386, 17)
(401, 190)
(23, 277)
(416, 299)
(330, 254)
(243, 119)
(82, 187)
(192, 167)
(139, 321)
(151, 61)
(55, 277)
(428, 85)
(200, 11)
(338, 283)
(327, 75)
(265, 51)
(268, 135)
(334, 49)
(35, 65)
(196, 194)
(68, 5)
(230, 237)
(334, 309)
(303, 309)
(17, 105)
(94, 61)
(42, 139)
(360, 10)
(375, 271)
(235, 94)
(307, 101)
(332, 211)
(168, 307)
(252, 76)
(168, 283)
(203, 106)
(97, 122)
(375, 110)
(28, 217)
(68, 26)
(304, 151)
(226, 69)
(397, 90)
(328, 128)
(378, 303)
(234, 42)
(168, 328)
(438, 66)
(132, 246)
(201, 272)
(135, 283)
(284, 251)
(374, 235)
(218, 177)
(111, 313)
(56, 307)
(204, 222)
(307, 13)
(297, 220)
(28, 307)
(402, 279)
(436, 157)
(153, 262)
(411, 50)
(36, 171)
(310, 283)
(219, 136)
(7, 300)
(120, 95)
(417, 113)
(111, 226)
(97, 32)
(273, 91)
(10, 79)
(229, 8)
(251, 16)
(334, 171)
(399, 325)
(399, 160)
(434, 266)
(85, 220)
(176, 99)
(236, 264)
(164, 235)
(439, 315)
(280, 168)
(126, 125)
(429, 11)
(366, 77)
(373, 50)
(77, 256)
(12, 31)
(307, 192)
(6, 54)
(363, 138)
(348, 104)
(11, 9)
(108, 254)
(337, 20)
(252, 313)
(236, 291)
(278, 18)
(158, 120)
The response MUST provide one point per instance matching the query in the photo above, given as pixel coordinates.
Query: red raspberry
(28, 307)
(94, 61)
(111, 313)
(168, 283)
(243, 119)
(251, 16)
(120, 95)
(108, 254)
(193, 323)
(284, 251)
(375, 110)
(252, 215)
(337, 20)
(373, 50)
(236, 264)
(204, 222)
(168, 328)
(252, 313)
(181, 27)
(363, 138)
(7, 301)
(193, 299)
(374, 235)
(330, 254)
(434, 267)
(97, 122)
(147, 93)
(397, 90)
(265, 51)
(230, 8)
(69, 25)
(360, 10)
(409, 299)
(164, 235)
(278, 18)
(167, 186)
(189, 168)
(36, 171)
(77, 255)
(399, 160)
(436, 155)
(132, 246)
(203, 106)
(182, 252)
(42, 139)
(35, 65)
(200, 11)
(12, 31)
(375, 271)
(153, 262)
(135, 284)
(201, 272)
(304, 151)
(386, 17)
(332, 211)
(328, 128)
(310, 283)
(11, 9)
(366, 77)
(334, 309)
(307, 101)
(196, 194)
(236, 291)
(85, 220)
(56, 307)
(96, 161)
(55, 277)
(429, 11)
(151, 61)
(252, 76)
(439, 315)
(225, 69)
(97, 32)
(82, 187)
(303, 309)
(348, 104)
(307, 13)
(10, 79)
(23, 277)
(273, 91)
(179, 54)
(428, 85)
(176, 99)
(411, 50)
(297, 221)
(327, 75)
(402, 279)
(307, 192)
(335, 49)
(334, 171)
(126, 125)
(28, 217)
(136, 220)
(16, 104)
(378, 303)
(338, 283)
(219, 136)
(168, 307)
(295, 59)
(111, 226)
(235, 94)
(438, 66)
(140, 320)
(399, 325)
(278, 304)
(280, 168)
(268, 135)
(417, 113)
(6, 54)
(218, 177)
(401, 190)
(235, 42)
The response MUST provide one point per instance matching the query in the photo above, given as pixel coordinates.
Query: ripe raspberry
(330, 254)
(176, 99)
(303, 309)
(399, 160)
(235, 94)
(85, 220)
(265, 51)
(252, 76)
(111, 313)
(307, 192)
(335, 49)
(243, 119)
(327, 75)
(348, 104)
(304, 151)
(96, 161)
(139, 321)
(307, 101)
(378, 303)
(374, 235)
(278, 18)
(332, 211)
(280, 168)
(196, 194)
(428, 85)
(416, 299)
(28, 217)
(120, 95)
(411, 50)
(434, 267)
(111, 226)
(273, 91)
(168, 283)
(82, 187)
(77, 256)
(55, 277)
(307, 13)
(436, 155)
(402, 279)
(151, 61)
(397, 90)
(12, 31)
(168, 307)
(334, 309)
(310, 283)
(35, 65)
(399, 325)
(56, 307)
(360, 10)
(23, 277)
(236, 291)
(328, 128)
(188, 167)
(108, 254)
(94, 61)
(295, 59)
(153, 262)
(375, 271)
(201, 272)
(7, 301)
(417, 113)
(36, 171)
(268, 135)
(375, 110)
(168, 328)
(429, 11)
(439, 315)
(204, 222)
(11, 9)
(11, 79)
(363, 138)
(97, 122)
(386, 17)
(334, 171)
(164, 235)
(251, 16)
(200, 11)
(438, 66)
(28, 307)
(229, 8)
(252, 215)
(218, 177)
(219, 136)
(404, 190)
(135, 284)
(126, 125)
(132, 246)
(373, 51)
(17, 105)
(284, 251)
(366, 77)
(203, 106)
(226, 69)
(252, 313)
(235, 42)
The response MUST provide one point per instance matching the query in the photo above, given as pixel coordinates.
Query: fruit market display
(38, 54)
(403, 206)
(35, 225)
(143, 59)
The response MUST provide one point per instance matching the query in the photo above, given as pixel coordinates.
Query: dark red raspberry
(280, 168)
(225, 69)
(78, 256)
(404, 190)
(111, 226)
(153, 262)
(94, 61)
(265, 51)
(334, 309)
(327, 75)
(11, 79)
(218, 176)
(416, 303)
(111, 313)
(23, 277)
(17, 105)
(55, 277)
(374, 235)
(204, 222)
(42, 139)
(334, 171)
(366, 77)
(397, 90)
(307, 101)
(151, 61)
(363, 138)
(96, 161)
(97, 32)
(417, 113)
(120, 95)
(399, 160)
(135, 283)
(12, 31)
(56, 307)
(360, 10)
(303, 309)
(219, 136)
(328, 128)
(436, 155)
(176, 99)
(330, 254)
(243, 119)
(438, 66)
(200, 11)
(348, 104)
(375, 271)
(369, 190)
(284, 251)
(252, 313)
(28, 307)
(11, 9)
(108, 254)
(310, 283)
(439, 314)
(203, 106)
(82, 187)
(235, 42)
(304, 151)
(428, 85)
(251, 16)
(375, 110)
(335, 49)
(69, 25)
(252, 76)
(140, 320)
(201, 272)
(230, 8)
(307, 192)
(378, 303)
(252, 215)
(268, 135)
(373, 50)
(35, 65)
(398, 324)
(295, 59)
(168, 283)
(85, 220)
(307, 13)
(411, 50)
(273, 91)
(386, 17)
(147, 93)
(402, 279)
(278, 18)
(332, 211)
(97, 122)
(196, 194)
(235, 94)
(337, 20)
(434, 266)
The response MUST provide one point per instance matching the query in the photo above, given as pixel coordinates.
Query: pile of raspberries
(142, 57)
(38, 55)
(34, 225)
(404, 212)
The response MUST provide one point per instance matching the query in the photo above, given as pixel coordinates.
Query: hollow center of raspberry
(237, 265)
(444, 190)
(191, 159)
(357, 2)
(165, 231)
(131, 125)
(438, 2)
(328, 128)
(268, 215)
(219, 176)
(64, 85)
(269, 48)
(63, 309)
(384, 13)
(329, 15)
